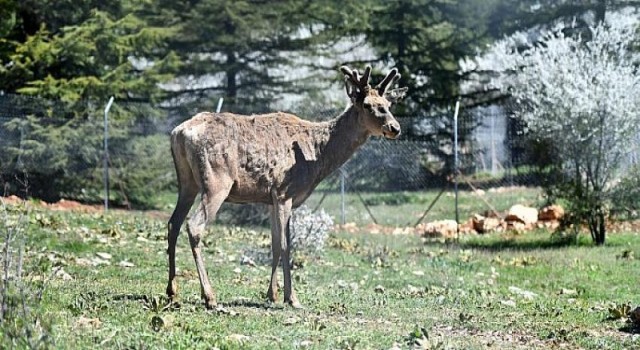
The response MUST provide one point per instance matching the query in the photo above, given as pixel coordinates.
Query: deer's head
(373, 104)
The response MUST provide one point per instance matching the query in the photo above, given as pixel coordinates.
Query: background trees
(580, 96)
(178, 57)
(85, 50)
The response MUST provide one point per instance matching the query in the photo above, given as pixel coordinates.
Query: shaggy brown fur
(275, 159)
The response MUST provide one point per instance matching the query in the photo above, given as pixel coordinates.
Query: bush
(627, 194)
(309, 230)
(140, 168)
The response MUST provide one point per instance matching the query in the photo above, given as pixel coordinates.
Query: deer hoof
(210, 301)
(172, 291)
(295, 304)
(210, 304)
(272, 295)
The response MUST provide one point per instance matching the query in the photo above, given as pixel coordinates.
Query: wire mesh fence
(53, 150)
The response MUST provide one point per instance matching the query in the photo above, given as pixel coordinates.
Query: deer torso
(268, 152)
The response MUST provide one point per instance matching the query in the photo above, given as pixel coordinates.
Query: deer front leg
(212, 199)
(280, 248)
(289, 294)
(276, 250)
(195, 228)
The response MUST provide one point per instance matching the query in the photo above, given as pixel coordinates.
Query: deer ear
(396, 95)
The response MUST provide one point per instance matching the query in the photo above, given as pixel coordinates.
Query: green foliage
(77, 54)
(627, 195)
(142, 169)
(186, 54)
(426, 41)
(92, 60)
(513, 15)
(49, 157)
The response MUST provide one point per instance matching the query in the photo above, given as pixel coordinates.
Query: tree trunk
(601, 11)
(232, 79)
(597, 226)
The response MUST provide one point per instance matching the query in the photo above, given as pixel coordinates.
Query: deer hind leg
(276, 252)
(212, 198)
(186, 196)
(289, 293)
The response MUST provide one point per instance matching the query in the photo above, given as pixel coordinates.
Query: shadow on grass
(630, 328)
(517, 245)
(265, 305)
(162, 302)
(527, 242)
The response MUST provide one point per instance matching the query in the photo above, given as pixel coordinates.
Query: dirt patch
(11, 200)
(352, 227)
(61, 205)
(70, 205)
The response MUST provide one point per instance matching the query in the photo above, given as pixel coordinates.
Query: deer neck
(346, 135)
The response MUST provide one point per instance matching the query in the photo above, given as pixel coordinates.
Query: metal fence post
(342, 209)
(106, 154)
(455, 158)
(219, 108)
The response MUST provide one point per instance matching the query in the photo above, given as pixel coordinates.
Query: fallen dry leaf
(86, 322)
(222, 310)
(525, 294)
(289, 321)
(509, 303)
(63, 275)
(565, 291)
(125, 263)
(103, 255)
(238, 338)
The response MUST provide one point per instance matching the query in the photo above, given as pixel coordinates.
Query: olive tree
(579, 92)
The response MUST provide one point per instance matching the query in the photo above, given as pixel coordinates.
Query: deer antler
(389, 80)
(393, 95)
(356, 86)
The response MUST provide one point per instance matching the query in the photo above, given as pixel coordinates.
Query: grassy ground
(365, 292)
(405, 208)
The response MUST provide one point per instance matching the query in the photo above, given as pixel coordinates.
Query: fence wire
(59, 148)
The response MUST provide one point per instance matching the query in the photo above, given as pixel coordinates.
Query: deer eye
(367, 105)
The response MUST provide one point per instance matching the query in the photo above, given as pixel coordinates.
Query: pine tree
(91, 57)
(240, 50)
(74, 55)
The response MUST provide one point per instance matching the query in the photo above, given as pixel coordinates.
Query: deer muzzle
(391, 130)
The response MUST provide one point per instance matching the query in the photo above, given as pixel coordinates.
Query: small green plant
(619, 311)
(419, 339)
(21, 321)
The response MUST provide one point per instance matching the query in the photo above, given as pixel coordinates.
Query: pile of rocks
(519, 218)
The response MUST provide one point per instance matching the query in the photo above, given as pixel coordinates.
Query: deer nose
(391, 129)
(394, 127)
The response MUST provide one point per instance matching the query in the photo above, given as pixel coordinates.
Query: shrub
(309, 230)
(580, 95)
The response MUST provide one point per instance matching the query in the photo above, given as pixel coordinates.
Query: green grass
(405, 208)
(366, 291)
